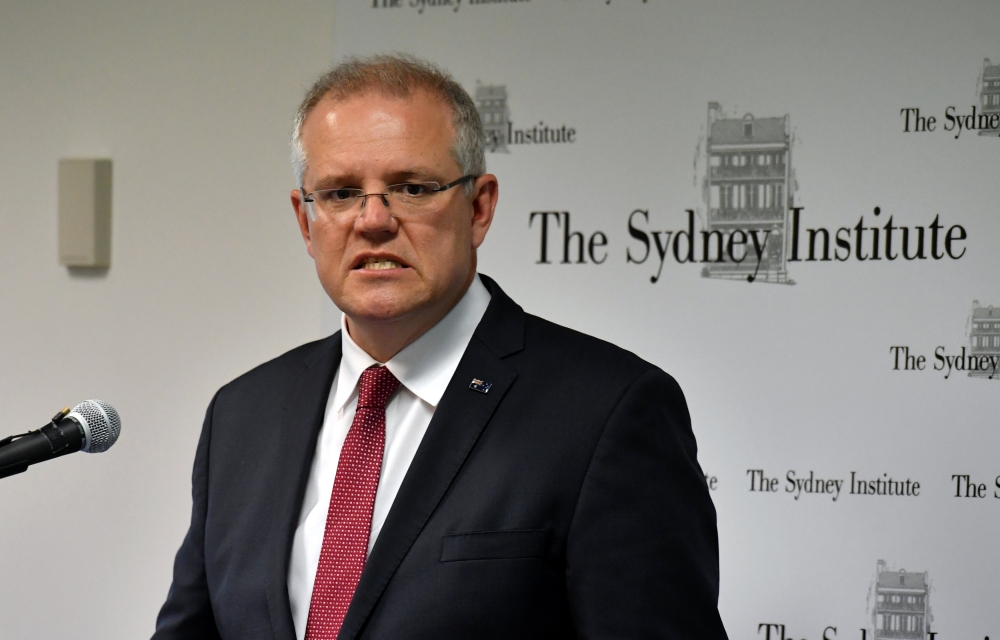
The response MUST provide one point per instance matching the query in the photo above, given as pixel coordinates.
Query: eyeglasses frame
(307, 198)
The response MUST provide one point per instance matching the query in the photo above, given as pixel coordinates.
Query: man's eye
(413, 189)
(333, 195)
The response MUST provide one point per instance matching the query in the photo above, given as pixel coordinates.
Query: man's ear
(303, 217)
(485, 193)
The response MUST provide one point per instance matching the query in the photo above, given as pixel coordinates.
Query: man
(446, 466)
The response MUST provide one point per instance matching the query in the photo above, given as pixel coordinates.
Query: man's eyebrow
(334, 182)
(417, 173)
(393, 177)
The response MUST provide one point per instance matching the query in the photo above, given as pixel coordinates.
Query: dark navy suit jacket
(566, 502)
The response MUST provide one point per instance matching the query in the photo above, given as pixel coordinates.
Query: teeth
(374, 263)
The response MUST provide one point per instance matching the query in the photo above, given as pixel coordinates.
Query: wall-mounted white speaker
(85, 212)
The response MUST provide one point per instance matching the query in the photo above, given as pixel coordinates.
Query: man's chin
(381, 305)
(378, 315)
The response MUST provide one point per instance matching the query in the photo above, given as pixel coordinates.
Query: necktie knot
(377, 384)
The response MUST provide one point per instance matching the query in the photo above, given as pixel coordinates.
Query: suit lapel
(303, 418)
(458, 421)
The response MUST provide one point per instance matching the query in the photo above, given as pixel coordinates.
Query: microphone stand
(15, 469)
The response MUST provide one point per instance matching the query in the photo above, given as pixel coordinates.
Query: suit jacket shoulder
(572, 350)
(276, 375)
(530, 341)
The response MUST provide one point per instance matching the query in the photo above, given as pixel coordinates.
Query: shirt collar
(425, 366)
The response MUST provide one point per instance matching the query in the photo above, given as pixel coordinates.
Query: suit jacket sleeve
(187, 613)
(642, 551)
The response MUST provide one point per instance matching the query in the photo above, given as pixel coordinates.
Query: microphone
(92, 426)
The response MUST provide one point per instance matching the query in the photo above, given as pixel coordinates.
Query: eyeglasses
(401, 199)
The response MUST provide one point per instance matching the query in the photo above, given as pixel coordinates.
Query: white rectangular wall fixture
(85, 212)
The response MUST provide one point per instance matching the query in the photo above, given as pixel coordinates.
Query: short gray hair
(398, 76)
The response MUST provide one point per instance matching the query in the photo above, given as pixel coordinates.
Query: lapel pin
(480, 386)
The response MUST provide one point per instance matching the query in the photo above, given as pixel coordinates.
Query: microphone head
(100, 422)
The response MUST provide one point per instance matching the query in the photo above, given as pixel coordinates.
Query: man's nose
(375, 215)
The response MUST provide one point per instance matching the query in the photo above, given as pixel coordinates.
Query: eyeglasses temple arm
(456, 182)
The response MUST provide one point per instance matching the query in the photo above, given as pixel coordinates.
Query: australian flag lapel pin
(480, 386)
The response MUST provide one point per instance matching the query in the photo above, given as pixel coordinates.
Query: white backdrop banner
(793, 209)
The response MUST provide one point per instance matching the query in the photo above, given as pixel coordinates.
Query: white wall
(193, 102)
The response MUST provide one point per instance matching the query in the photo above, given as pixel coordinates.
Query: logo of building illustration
(494, 111)
(747, 188)
(984, 339)
(901, 609)
(989, 95)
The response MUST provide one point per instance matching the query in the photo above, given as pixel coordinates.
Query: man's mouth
(378, 264)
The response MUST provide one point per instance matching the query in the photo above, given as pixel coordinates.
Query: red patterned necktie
(349, 520)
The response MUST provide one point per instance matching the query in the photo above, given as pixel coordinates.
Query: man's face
(378, 268)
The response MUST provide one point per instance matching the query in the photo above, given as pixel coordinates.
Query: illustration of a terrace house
(491, 102)
(901, 604)
(747, 187)
(989, 94)
(984, 336)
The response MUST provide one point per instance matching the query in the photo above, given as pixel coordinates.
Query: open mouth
(379, 264)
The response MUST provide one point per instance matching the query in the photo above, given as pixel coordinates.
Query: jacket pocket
(494, 545)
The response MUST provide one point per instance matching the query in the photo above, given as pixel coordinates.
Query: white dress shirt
(423, 369)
